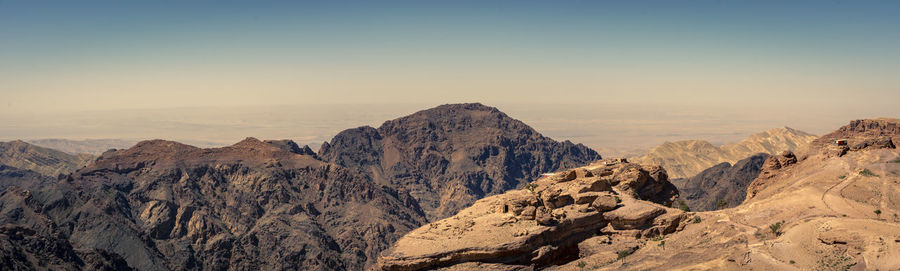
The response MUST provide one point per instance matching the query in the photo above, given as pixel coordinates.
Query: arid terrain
(683, 159)
(829, 208)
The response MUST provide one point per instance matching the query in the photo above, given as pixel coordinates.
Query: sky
(806, 59)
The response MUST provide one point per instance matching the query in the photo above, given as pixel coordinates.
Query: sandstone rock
(883, 142)
(529, 213)
(605, 202)
(586, 197)
(563, 218)
(543, 216)
(565, 176)
(633, 216)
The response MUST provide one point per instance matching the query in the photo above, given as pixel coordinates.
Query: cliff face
(163, 205)
(452, 155)
(721, 186)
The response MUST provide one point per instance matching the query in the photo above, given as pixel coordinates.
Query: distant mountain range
(163, 205)
(48, 162)
(89, 146)
(687, 158)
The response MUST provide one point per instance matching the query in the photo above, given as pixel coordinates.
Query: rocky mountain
(721, 186)
(452, 155)
(804, 212)
(599, 209)
(48, 162)
(683, 159)
(11, 176)
(89, 146)
(162, 205)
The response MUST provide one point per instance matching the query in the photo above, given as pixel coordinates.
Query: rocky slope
(48, 162)
(683, 159)
(721, 186)
(162, 205)
(11, 176)
(804, 212)
(812, 212)
(552, 221)
(452, 155)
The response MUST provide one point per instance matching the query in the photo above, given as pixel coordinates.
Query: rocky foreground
(826, 208)
(548, 222)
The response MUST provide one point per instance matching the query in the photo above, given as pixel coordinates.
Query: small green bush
(697, 219)
(842, 177)
(896, 160)
(877, 212)
(581, 265)
(683, 206)
(776, 228)
(868, 173)
(618, 199)
(721, 203)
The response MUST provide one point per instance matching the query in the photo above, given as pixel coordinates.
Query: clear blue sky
(97, 55)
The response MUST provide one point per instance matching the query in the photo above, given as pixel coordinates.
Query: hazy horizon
(610, 75)
(613, 130)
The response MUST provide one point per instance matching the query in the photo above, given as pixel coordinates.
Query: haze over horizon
(610, 75)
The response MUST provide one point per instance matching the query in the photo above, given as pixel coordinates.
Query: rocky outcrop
(544, 223)
(723, 185)
(684, 159)
(452, 155)
(48, 162)
(291, 146)
(860, 134)
(163, 205)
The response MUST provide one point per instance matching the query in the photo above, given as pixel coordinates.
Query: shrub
(531, 187)
(776, 228)
(581, 264)
(868, 173)
(842, 177)
(618, 200)
(683, 206)
(793, 262)
(896, 160)
(697, 219)
(877, 211)
(623, 253)
(721, 203)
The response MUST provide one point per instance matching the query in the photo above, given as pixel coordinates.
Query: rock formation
(162, 205)
(683, 159)
(721, 186)
(48, 162)
(547, 223)
(452, 155)
(11, 176)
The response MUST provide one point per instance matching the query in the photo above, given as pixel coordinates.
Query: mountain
(162, 205)
(823, 210)
(48, 162)
(547, 223)
(89, 146)
(452, 155)
(684, 159)
(721, 186)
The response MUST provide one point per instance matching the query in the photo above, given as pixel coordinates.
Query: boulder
(605, 202)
